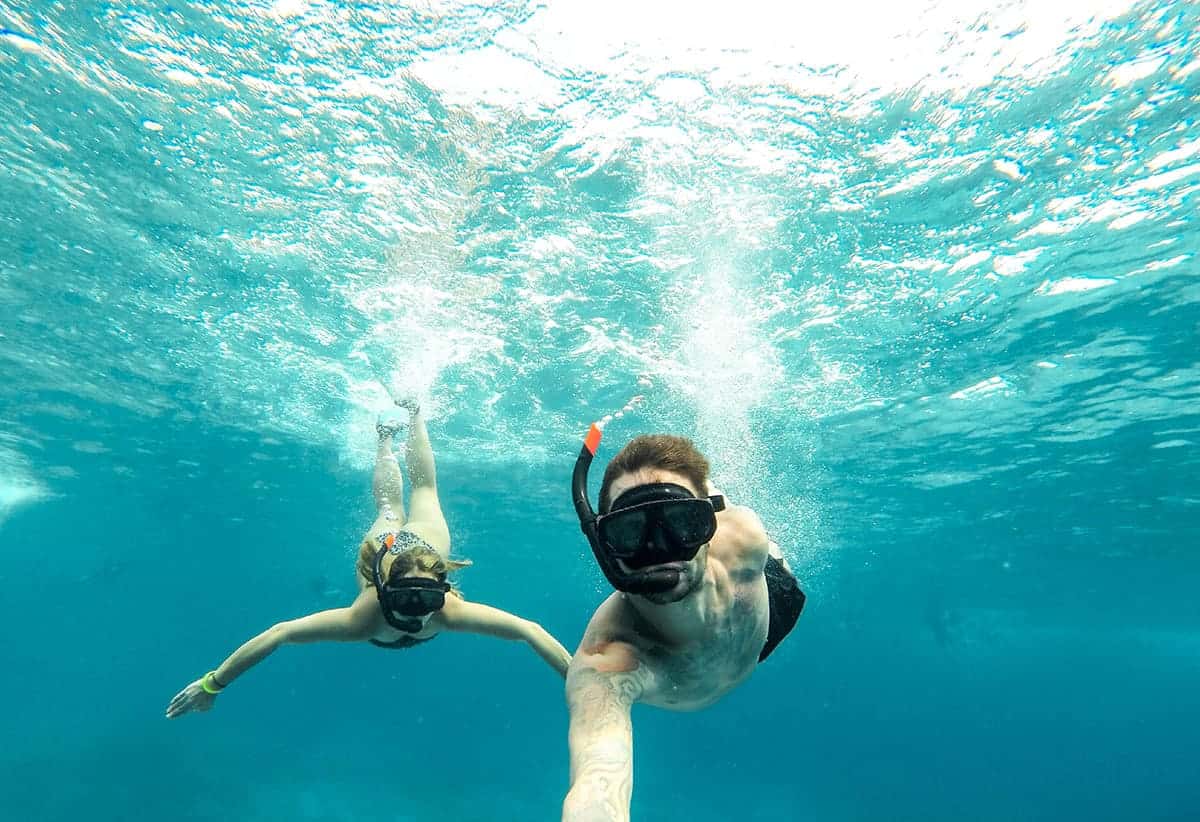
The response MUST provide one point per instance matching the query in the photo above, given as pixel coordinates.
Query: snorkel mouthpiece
(654, 581)
(651, 581)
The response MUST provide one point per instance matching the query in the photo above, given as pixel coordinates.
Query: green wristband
(215, 688)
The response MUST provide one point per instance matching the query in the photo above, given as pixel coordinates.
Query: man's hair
(662, 451)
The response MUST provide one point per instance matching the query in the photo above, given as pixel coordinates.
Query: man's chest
(723, 656)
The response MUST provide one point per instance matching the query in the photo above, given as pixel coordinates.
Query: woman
(404, 598)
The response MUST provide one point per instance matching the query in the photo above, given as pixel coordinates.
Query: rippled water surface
(921, 280)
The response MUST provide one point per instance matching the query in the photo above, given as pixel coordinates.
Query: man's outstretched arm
(601, 735)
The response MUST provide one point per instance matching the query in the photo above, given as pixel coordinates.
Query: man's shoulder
(609, 649)
(741, 528)
(744, 517)
(615, 630)
(742, 542)
(605, 655)
(609, 623)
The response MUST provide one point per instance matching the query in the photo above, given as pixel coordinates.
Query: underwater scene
(918, 279)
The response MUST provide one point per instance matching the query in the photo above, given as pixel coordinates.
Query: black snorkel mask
(647, 526)
(411, 598)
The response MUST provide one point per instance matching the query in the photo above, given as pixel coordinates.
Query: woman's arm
(337, 625)
(471, 617)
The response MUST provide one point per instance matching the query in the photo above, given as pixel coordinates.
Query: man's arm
(601, 690)
(472, 617)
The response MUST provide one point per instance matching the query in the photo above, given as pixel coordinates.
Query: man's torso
(724, 640)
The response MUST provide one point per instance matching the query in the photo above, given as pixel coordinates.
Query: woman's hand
(191, 698)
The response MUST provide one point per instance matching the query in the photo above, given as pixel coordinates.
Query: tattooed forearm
(601, 790)
(601, 740)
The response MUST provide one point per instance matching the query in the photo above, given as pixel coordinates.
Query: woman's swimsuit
(786, 601)
(397, 541)
(405, 641)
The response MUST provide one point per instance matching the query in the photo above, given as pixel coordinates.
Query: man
(702, 596)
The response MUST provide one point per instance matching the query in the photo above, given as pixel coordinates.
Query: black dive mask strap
(637, 582)
(399, 623)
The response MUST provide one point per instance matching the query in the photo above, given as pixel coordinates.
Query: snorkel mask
(410, 597)
(647, 526)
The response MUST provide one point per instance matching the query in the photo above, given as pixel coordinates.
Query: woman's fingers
(180, 704)
(190, 698)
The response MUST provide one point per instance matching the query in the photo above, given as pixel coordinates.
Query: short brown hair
(662, 451)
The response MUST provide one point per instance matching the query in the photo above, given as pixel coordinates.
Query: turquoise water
(921, 281)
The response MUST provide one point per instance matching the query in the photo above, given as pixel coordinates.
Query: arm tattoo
(601, 741)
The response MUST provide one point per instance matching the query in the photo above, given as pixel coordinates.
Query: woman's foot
(410, 403)
(386, 429)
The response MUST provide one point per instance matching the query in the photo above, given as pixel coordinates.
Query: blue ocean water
(921, 281)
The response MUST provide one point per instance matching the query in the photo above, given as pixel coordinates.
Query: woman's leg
(425, 511)
(387, 485)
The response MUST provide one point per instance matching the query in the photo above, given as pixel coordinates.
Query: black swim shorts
(786, 602)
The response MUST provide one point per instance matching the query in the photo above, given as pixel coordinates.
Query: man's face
(691, 572)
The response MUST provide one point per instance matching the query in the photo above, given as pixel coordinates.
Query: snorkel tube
(648, 581)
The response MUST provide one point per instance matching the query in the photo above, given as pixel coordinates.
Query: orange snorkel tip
(592, 441)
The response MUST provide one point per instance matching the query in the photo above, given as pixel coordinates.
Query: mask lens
(417, 601)
(623, 531)
(418, 604)
(691, 521)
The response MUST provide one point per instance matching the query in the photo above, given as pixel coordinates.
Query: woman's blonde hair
(420, 558)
